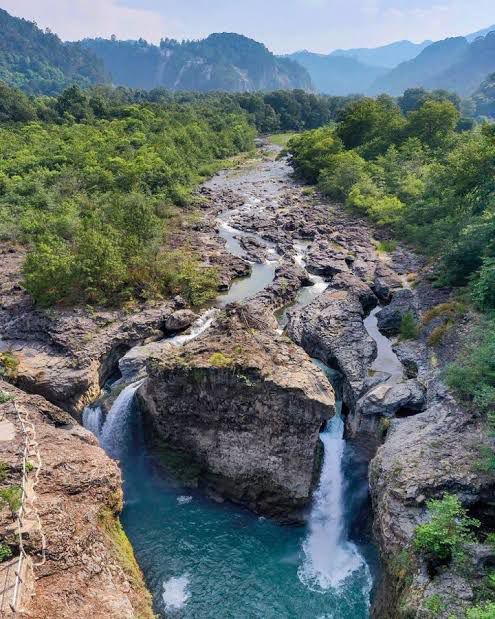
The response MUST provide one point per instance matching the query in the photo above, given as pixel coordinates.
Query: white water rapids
(329, 558)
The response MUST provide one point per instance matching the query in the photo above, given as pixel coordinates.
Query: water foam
(93, 419)
(175, 593)
(115, 434)
(329, 558)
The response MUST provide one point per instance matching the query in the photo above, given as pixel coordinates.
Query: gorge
(210, 413)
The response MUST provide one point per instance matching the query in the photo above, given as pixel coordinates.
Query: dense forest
(429, 177)
(94, 192)
(92, 181)
(39, 63)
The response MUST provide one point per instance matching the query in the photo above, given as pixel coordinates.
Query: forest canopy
(425, 173)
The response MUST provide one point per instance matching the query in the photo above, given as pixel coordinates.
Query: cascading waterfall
(329, 557)
(93, 419)
(115, 436)
(208, 560)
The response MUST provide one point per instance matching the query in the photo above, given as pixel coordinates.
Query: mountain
(453, 64)
(388, 56)
(338, 75)
(480, 33)
(223, 61)
(468, 71)
(39, 62)
(433, 61)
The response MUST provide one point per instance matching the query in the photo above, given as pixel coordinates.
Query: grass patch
(281, 139)
(386, 247)
(451, 311)
(438, 333)
(219, 360)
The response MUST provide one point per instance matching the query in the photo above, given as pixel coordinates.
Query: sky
(283, 25)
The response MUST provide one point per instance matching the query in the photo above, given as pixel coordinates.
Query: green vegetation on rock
(443, 538)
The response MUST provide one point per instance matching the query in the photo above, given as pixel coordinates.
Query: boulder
(390, 317)
(180, 320)
(332, 330)
(247, 407)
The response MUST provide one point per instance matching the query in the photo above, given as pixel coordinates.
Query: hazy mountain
(337, 75)
(388, 56)
(467, 72)
(423, 70)
(225, 61)
(480, 33)
(39, 62)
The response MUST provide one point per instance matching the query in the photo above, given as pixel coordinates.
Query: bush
(473, 378)
(11, 497)
(5, 552)
(484, 285)
(485, 611)
(408, 327)
(449, 529)
(340, 175)
(9, 365)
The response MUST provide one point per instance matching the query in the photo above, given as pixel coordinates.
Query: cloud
(76, 19)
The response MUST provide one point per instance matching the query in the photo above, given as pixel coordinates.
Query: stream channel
(208, 560)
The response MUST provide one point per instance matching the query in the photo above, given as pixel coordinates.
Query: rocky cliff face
(248, 406)
(89, 570)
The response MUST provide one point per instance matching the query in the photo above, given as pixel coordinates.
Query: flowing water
(202, 559)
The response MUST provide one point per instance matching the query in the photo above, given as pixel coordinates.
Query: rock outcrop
(89, 571)
(332, 330)
(424, 457)
(248, 406)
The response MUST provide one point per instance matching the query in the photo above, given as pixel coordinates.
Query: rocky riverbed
(399, 415)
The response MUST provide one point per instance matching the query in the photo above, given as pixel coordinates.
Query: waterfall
(200, 326)
(328, 557)
(93, 419)
(116, 434)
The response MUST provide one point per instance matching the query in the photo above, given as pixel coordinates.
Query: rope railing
(31, 451)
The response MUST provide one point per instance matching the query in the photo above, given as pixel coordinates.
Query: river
(206, 559)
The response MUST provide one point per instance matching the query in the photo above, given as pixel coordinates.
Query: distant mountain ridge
(338, 75)
(223, 61)
(385, 56)
(453, 64)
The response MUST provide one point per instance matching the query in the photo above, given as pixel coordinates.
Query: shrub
(434, 605)
(4, 471)
(473, 379)
(484, 285)
(340, 175)
(219, 360)
(9, 365)
(11, 497)
(485, 611)
(408, 327)
(5, 397)
(386, 247)
(443, 537)
(5, 552)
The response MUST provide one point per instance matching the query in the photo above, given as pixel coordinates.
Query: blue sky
(283, 25)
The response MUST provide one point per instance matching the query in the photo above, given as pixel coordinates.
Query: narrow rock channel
(203, 556)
